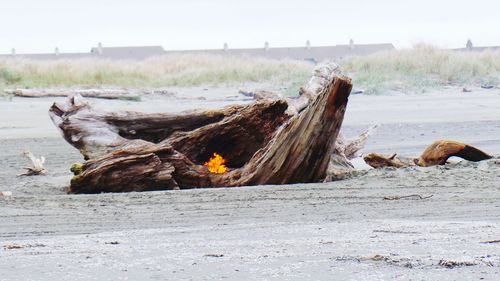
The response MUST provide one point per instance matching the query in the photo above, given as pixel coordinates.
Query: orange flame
(216, 164)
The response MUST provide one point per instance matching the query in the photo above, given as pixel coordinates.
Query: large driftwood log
(266, 142)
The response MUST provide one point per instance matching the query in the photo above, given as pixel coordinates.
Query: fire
(216, 164)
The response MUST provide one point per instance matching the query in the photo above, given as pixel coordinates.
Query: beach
(446, 225)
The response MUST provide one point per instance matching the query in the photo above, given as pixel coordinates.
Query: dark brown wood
(271, 141)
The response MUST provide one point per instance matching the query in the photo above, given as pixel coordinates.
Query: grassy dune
(422, 68)
(180, 70)
(411, 70)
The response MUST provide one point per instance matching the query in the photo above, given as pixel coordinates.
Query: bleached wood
(37, 165)
(89, 93)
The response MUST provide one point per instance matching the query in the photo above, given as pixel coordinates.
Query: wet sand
(342, 230)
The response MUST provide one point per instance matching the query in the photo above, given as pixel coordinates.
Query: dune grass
(179, 70)
(418, 69)
(422, 68)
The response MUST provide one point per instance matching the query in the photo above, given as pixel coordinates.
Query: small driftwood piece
(437, 153)
(380, 160)
(5, 194)
(490, 241)
(412, 196)
(453, 263)
(267, 142)
(88, 93)
(37, 165)
(261, 95)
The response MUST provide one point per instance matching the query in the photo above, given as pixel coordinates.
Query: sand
(341, 230)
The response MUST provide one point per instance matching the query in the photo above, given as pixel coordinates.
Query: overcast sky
(74, 25)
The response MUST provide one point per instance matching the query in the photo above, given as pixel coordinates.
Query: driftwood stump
(266, 142)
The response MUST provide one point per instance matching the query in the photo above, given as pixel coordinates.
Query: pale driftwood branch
(88, 93)
(351, 148)
(344, 150)
(263, 142)
(37, 165)
(354, 146)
